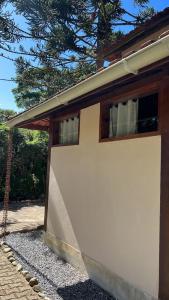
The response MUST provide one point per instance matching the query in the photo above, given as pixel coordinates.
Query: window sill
(131, 136)
(64, 145)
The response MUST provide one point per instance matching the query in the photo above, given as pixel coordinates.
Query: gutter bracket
(127, 68)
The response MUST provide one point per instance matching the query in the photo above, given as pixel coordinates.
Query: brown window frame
(55, 129)
(122, 97)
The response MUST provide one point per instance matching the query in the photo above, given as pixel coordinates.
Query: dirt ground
(24, 216)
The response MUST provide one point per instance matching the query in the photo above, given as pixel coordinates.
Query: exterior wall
(104, 201)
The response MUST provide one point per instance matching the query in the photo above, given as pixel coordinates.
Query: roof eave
(128, 65)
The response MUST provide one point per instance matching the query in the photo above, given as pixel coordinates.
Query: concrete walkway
(24, 216)
(13, 285)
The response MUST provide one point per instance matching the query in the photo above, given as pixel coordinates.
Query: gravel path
(58, 278)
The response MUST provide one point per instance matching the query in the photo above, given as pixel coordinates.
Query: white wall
(104, 199)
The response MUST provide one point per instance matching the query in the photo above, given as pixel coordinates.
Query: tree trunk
(7, 183)
(103, 32)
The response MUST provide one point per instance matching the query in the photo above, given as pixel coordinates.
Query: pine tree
(72, 31)
(70, 38)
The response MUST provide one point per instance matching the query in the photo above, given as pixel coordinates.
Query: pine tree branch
(31, 82)
(126, 22)
(130, 14)
(80, 38)
(7, 57)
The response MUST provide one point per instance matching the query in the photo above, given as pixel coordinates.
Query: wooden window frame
(124, 97)
(55, 129)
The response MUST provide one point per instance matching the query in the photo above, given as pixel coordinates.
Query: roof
(158, 20)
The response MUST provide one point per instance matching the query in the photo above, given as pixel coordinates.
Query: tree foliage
(5, 114)
(28, 179)
(67, 31)
(37, 84)
(69, 37)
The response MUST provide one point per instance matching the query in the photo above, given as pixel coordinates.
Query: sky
(7, 68)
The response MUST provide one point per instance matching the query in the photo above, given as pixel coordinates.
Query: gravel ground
(56, 277)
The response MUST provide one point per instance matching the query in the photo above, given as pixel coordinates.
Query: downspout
(127, 67)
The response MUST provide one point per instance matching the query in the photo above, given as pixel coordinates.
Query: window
(134, 116)
(66, 131)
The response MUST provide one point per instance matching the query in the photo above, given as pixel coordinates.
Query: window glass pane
(148, 113)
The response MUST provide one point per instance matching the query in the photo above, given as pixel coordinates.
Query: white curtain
(123, 118)
(113, 120)
(61, 132)
(75, 130)
(69, 130)
(64, 132)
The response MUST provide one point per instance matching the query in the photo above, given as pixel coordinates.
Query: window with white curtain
(69, 131)
(123, 118)
(133, 116)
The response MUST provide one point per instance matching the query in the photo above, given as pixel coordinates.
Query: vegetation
(29, 163)
(5, 114)
(35, 85)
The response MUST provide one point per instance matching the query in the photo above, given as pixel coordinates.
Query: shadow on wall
(61, 226)
(59, 222)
